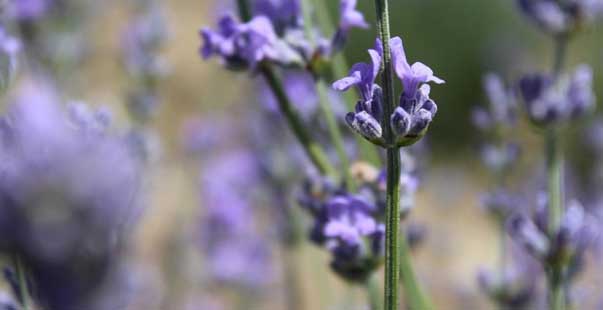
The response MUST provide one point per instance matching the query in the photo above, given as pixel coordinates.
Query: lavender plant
(69, 195)
(142, 41)
(557, 235)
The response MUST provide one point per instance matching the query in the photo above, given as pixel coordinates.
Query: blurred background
(460, 40)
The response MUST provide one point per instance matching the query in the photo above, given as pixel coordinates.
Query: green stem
(325, 106)
(416, 299)
(312, 149)
(392, 231)
(554, 166)
(373, 292)
(244, 10)
(336, 136)
(22, 278)
(339, 67)
(397, 253)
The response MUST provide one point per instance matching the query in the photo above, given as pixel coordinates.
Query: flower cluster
(233, 246)
(351, 226)
(561, 17)
(550, 102)
(416, 110)
(496, 123)
(563, 247)
(69, 191)
(275, 33)
(27, 10)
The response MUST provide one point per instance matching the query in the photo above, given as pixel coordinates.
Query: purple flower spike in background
(561, 17)
(245, 45)
(69, 194)
(551, 103)
(9, 51)
(349, 18)
(28, 10)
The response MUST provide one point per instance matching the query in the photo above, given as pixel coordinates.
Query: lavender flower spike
(369, 110)
(244, 45)
(350, 17)
(412, 76)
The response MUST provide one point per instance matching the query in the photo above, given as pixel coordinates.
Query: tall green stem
(312, 149)
(325, 106)
(397, 254)
(554, 166)
(22, 278)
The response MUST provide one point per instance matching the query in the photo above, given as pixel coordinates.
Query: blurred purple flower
(236, 253)
(501, 203)
(69, 190)
(502, 108)
(549, 102)
(245, 45)
(141, 44)
(558, 17)
(349, 18)
(284, 14)
(28, 10)
(515, 288)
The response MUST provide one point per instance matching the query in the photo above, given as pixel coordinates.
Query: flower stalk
(397, 254)
(554, 166)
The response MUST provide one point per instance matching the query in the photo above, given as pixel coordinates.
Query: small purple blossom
(29, 10)
(69, 192)
(566, 245)
(245, 45)
(350, 18)
(284, 14)
(550, 102)
(502, 109)
(559, 17)
(411, 118)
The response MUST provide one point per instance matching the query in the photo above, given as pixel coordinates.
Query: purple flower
(350, 17)
(551, 102)
(284, 14)
(515, 288)
(566, 245)
(236, 253)
(501, 203)
(500, 158)
(412, 76)
(502, 109)
(141, 43)
(369, 109)
(69, 192)
(354, 237)
(559, 17)
(245, 45)
(28, 10)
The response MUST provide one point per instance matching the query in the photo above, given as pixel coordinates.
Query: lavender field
(301, 154)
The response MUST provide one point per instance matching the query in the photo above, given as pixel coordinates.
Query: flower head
(559, 17)
(245, 45)
(550, 102)
(69, 191)
(28, 10)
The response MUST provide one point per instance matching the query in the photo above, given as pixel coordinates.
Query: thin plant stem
(397, 253)
(336, 135)
(22, 285)
(326, 108)
(339, 67)
(554, 166)
(312, 149)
